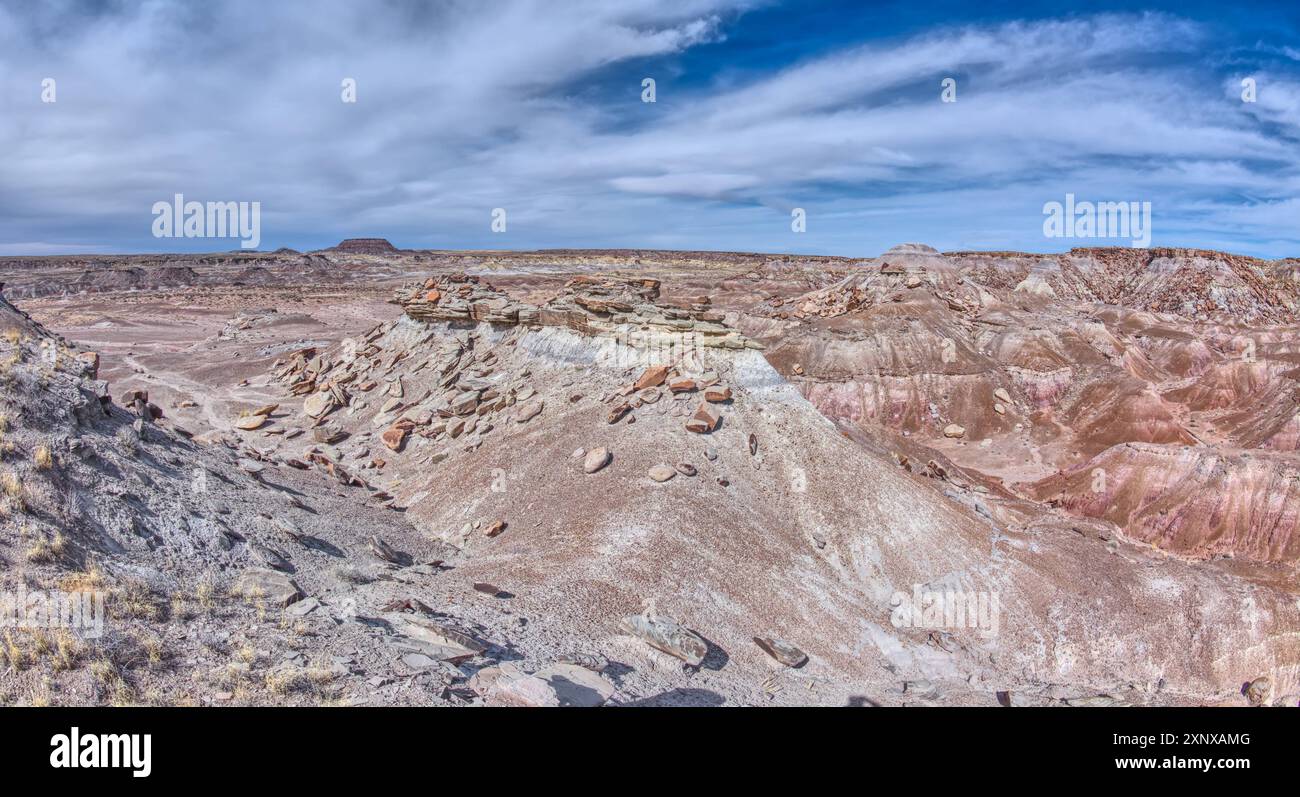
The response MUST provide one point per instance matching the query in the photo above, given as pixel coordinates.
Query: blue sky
(762, 107)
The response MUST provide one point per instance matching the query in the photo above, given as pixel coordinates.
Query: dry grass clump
(12, 484)
(128, 440)
(67, 650)
(42, 695)
(43, 551)
(135, 599)
(250, 595)
(254, 596)
(205, 594)
(180, 607)
(204, 599)
(20, 648)
(42, 457)
(7, 374)
(89, 580)
(233, 677)
(109, 678)
(286, 680)
(15, 492)
(154, 650)
(12, 652)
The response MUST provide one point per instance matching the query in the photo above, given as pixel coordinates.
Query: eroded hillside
(384, 476)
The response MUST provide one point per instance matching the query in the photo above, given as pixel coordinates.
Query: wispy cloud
(464, 107)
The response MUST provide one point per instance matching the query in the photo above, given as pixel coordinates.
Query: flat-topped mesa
(366, 246)
(604, 306)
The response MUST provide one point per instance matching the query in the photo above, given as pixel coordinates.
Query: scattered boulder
(559, 684)
(419, 662)
(921, 688)
(270, 557)
(717, 394)
(616, 414)
(465, 403)
(318, 405)
(383, 550)
(130, 397)
(954, 430)
(651, 377)
(591, 661)
(304, 607)
(529, 411)
(1257, 691)
(328, 434)
(250, 422)
(1002, 395)
(508, 685)
(575, 685)
(435, 639)
(662, 473)
(89, 363)
(782, 651)
(276, 589)
(669, 636)
(394, 437)
(596, 459)
(703, 421)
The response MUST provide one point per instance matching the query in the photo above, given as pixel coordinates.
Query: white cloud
(1277, 100)
(463, 107)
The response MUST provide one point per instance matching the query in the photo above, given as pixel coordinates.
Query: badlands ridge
(366, 475)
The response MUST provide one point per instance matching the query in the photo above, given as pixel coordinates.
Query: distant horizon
(542, 250)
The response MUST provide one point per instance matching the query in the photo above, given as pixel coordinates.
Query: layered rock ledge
(603, 306)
